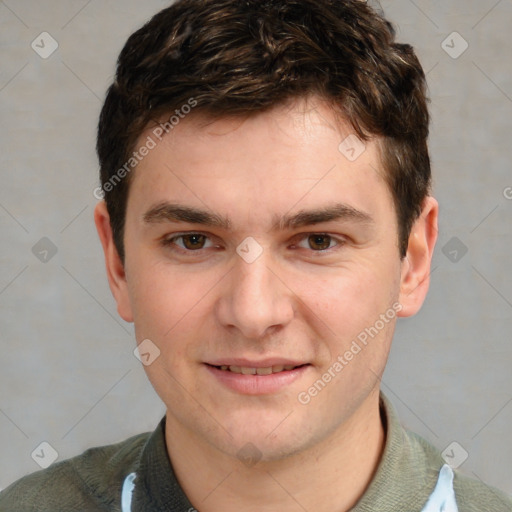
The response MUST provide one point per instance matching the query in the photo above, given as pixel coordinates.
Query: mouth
(265, 370)
(257, 378)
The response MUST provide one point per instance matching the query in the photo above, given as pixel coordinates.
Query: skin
(299, 299)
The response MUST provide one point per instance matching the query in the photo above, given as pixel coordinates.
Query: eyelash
(169, 242)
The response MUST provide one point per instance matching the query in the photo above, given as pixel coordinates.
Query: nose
(255, 299)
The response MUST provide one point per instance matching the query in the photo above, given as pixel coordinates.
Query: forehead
(299, 153)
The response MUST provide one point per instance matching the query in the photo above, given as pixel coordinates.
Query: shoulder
(474, 496)
(471, 494)
(91, 481)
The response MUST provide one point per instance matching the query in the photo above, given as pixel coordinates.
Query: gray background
(68, 375)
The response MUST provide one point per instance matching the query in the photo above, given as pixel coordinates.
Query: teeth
(244, 370)
(264, 371)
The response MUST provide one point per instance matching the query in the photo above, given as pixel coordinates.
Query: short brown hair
(237, 57)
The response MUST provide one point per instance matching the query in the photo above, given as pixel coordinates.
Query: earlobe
(115, 269)
(416, 266)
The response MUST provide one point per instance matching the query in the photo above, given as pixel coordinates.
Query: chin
(259, 441)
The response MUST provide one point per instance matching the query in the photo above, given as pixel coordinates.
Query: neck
(330, 476)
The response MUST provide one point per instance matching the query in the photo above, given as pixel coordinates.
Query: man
(267, 217)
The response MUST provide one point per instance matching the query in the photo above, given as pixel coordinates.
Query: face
(257, 246)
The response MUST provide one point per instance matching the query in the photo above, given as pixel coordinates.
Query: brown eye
(194, 241)
(319, 242)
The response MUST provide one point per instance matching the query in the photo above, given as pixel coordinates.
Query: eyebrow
(172, 212)
(338, 211)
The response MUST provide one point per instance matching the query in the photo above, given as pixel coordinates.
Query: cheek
(168, 304)
(347, 309)
(349, 297)
(169, 309)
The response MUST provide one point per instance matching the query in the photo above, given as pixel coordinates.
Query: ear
(115, 268)
(415, 276)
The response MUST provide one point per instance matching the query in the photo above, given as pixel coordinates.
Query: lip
(264, 363)
(257, 384)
